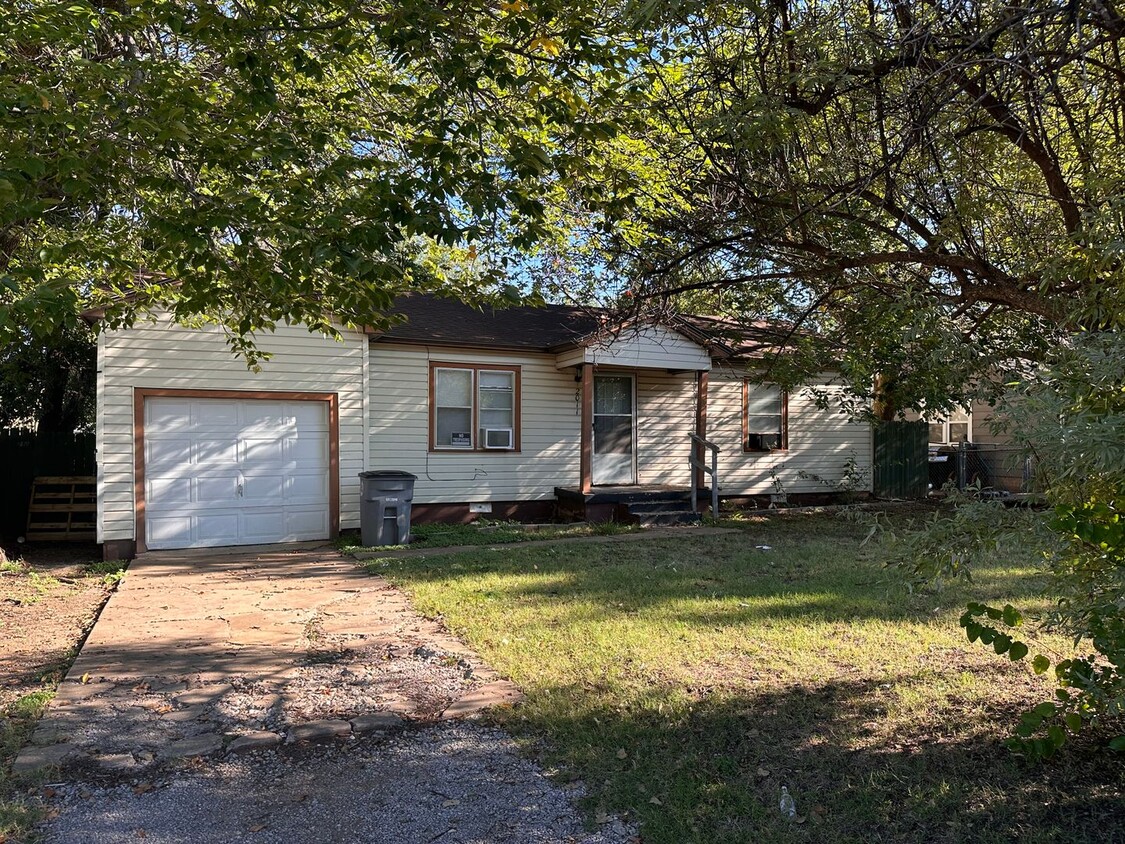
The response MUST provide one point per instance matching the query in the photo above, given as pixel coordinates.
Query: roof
(451, 322)
(550, 328)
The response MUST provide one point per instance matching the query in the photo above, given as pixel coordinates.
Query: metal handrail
(713, 470)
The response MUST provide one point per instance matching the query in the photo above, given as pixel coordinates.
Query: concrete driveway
(204, 653)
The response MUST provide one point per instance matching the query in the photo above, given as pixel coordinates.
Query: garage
(234, 471)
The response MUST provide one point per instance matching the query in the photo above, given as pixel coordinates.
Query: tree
(923, 191)
(49, 383)
(1072, 411)
(930, 188)
(253, 162)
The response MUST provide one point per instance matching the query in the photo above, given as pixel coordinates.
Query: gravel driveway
(452, 783)
(284, 695)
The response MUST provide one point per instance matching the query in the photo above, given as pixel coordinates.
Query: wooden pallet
(62, 507)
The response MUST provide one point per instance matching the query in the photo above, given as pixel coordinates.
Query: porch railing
(698, 444)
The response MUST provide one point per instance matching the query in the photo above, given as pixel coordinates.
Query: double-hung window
(764, 417)
(952, 429)
(474, 408)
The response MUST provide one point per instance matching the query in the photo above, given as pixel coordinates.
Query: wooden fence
(901, 459)
(24, 455)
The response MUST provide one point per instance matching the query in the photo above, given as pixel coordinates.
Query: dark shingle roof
(432, 319)
(450, 322)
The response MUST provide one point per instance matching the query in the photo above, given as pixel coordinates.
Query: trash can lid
(388, 473)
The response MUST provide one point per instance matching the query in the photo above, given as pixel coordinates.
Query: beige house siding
(820, 441)
(400, 419)
(982, 413)
(163, 355)
(665, 420)
(648, 346)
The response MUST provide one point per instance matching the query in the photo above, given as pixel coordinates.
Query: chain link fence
(1001, 470)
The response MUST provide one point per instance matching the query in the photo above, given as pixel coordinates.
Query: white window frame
(945, 422)
(475, 370)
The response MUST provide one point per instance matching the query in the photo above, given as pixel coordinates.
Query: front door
(614, 430)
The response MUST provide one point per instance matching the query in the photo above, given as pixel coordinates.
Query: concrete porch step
(662, 513)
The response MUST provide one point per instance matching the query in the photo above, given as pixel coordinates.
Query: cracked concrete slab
(198, 650)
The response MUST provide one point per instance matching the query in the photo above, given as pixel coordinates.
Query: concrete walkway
(204, 653)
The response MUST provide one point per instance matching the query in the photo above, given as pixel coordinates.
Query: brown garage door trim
(142, 393)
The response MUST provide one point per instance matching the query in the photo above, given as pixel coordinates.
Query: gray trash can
(384, 507)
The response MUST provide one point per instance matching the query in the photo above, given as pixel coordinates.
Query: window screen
(453, 408)
(764, 418)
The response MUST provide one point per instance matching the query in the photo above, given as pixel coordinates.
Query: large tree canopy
(929, 187)
(253, 162)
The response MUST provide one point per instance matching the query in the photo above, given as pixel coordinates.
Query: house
(497, 412)
(968, 447)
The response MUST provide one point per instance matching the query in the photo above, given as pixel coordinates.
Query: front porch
(646, 504)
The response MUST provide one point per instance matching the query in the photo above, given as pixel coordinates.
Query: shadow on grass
(710, 770)
(695, 743)
(799, 576)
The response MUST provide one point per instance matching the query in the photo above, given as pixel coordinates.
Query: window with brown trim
(765, 417)
(474, 407)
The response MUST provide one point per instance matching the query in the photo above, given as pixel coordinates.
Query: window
(474, 408)
(765, 411)
(951, 429)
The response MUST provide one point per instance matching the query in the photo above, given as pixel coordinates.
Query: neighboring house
(972, 425)
(497, 412)
(967, 448)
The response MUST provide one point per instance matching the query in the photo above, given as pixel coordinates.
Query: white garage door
(235, 472)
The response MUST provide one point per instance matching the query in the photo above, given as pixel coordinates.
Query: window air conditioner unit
(502, 438)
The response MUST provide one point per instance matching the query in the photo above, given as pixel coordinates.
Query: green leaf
(1057, 735)
(1017, 652)
(1117, 744)
(1001, 643)
(1073, 721)
(1040, 664)
(1012, 616)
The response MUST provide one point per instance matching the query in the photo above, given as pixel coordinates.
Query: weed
(111, 572)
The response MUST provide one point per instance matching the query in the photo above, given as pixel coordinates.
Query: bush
(1071, 414)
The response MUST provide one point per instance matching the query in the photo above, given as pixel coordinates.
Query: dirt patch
(47, 604)
(410, 679)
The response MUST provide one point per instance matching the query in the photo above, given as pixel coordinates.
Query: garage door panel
(170, 415)
(264, 487)
(168, 531)
(259, 450)
(307, 416)
(208, 451)
(306, 487)
(169, 491)
(220, 526)
(233, 471)
(264, 525)
(219, 490)
(265, 416)
(214, 415)
(166, 452)
(306, 450)
(306, 524)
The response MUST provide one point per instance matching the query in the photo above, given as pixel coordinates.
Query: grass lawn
(685, 680)
(488, 533)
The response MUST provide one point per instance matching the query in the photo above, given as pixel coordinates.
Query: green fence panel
(901, 459)
(24, 456)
